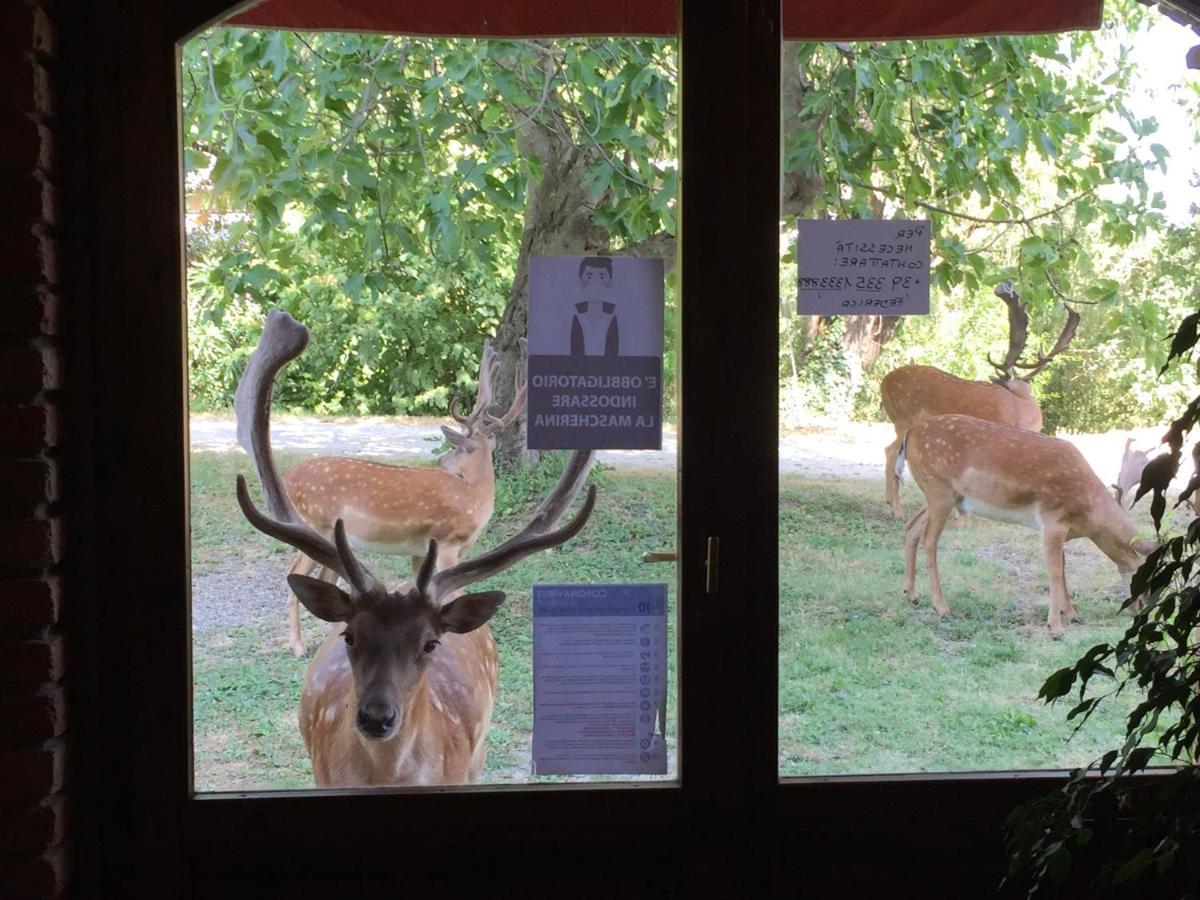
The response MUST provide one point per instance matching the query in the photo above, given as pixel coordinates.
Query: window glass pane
(388, 193)
(1037, 165)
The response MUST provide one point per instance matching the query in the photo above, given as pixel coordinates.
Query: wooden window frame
(729, 827)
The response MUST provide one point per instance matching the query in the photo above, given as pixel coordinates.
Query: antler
(533, 537)
(1018, 336)
(283, 339)
(1018, 330)
(1060, 345)
(492, 424)
(489, 367)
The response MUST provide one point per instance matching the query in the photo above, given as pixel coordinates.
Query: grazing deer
(912, 394)
(1130, 475)
(400, 509)
(1012, 475)
(402, 692)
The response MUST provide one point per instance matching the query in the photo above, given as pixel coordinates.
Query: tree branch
(1026, 220)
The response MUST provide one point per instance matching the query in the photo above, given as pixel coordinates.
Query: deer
(1133, 462)
(398, 509)
(402, 689)
(912, 394)
(1012, 475)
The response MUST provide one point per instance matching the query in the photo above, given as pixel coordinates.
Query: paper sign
(595, 353)
(863, 267)
(599, 679)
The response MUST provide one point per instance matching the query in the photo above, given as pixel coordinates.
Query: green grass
(247, 683)
(868, 683)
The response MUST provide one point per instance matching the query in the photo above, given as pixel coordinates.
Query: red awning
(802, 19)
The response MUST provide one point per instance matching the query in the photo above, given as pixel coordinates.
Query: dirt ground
(833, 450)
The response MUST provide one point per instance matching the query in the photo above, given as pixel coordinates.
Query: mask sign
(863, 267)
(599, 679)
(595, 353)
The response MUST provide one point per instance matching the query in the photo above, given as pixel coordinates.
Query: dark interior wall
(34, 718)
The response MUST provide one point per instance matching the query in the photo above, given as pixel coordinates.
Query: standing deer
(401, 693)
(1012, 475)
(400, 509)
(912, 394)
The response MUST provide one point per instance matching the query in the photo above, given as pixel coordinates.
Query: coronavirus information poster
(595, 353)
(862, 267)
(599, 679)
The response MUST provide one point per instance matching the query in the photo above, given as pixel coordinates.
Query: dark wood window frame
(729, 827)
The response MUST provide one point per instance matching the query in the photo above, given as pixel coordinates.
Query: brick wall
(33, 716)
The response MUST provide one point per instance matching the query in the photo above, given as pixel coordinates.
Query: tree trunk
(557, 221)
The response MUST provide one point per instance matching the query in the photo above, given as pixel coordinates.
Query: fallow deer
(402, 692)
(1018, 476)
(1133, 462)
(400, 509)
(912, 394)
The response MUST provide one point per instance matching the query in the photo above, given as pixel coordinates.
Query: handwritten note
(861, 267)
(599, 679)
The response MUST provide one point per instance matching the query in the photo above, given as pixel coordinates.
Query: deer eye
(349, 638)
(431, 645)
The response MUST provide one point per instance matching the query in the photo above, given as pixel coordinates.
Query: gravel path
(842, 451)
(253, 594)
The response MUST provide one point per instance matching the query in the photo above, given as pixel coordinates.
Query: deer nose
(376, 720)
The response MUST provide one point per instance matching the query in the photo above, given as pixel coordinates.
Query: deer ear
(456, 439)
(468, 612)
(322, 599)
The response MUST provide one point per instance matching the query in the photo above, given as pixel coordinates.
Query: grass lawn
(868, 683)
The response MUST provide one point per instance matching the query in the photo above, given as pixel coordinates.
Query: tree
(425, 172)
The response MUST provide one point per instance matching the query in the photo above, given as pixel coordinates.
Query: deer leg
(939, 510)
(301, 565)
(912, 538)
(1052, 544)
(891, 477)
(1069, 612)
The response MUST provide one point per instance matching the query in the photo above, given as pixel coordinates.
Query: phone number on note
(859, 283)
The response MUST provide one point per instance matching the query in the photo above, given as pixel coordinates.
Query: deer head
(390, 633)
(478, 428)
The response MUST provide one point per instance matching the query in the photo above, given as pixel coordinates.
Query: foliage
(376, 187)
(1005, 143)
(1149, 830)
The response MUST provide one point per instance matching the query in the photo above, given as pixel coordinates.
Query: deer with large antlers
(1012, 475)
(401, 692)
(400, 509)
(912, 394)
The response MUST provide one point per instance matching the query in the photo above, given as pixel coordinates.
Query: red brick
(20, 251)
(31, 775)
(42, 877)
(32, 829)
(23, 194)
(27, 429)
(45, 33)
(28, 607)
(28, 484)
(31, 662)
(30, 543)
(21, 151)
(26, 367)
(28, 312)
(32, 719)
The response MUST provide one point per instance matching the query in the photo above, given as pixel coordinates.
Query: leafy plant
(1140, 834)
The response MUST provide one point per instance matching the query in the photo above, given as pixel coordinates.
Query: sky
(1165, 80)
